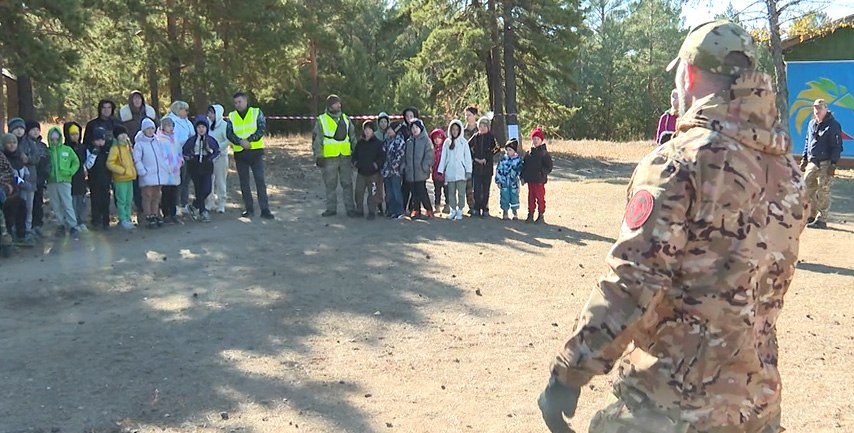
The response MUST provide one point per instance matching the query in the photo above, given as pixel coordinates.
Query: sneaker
(190, 210)
(484, 213)
(817, 224)
(541, 219)
(530, 218)
(75, 234)
(371, 216)
(459, 215)
(452, 215)
(429, 214)
(82, 228)
(329, 213)
(267, 215)
(206, 217)
(400, 217)
(127, 225)
(150, 222)
(505, 216)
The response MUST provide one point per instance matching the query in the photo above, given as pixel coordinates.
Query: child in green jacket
(63, 165)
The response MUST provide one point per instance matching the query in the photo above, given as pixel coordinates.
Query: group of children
(395, 160)
(145, 170)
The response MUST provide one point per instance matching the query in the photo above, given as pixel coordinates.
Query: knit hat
(31, 124)
(15, 123)
(418, 123)
(146, 123)
(202, 119)
(119, 130)
(331, 100)
(537, 132)
(73, 129)
(8, 138)
(484, 121)
(513, 144)
(438, 133)
(368, 124)
(99, 134)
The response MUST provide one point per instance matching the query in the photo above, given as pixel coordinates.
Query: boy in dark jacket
(38, 162)
(368, 159)
(73, 139)
(15, 209)
(199, 151)
(100, 179)
(483, 150)
(535, 172)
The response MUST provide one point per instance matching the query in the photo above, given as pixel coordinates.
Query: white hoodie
(218, 129)
(455, 163)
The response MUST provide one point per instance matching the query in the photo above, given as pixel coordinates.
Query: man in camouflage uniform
(706, 252)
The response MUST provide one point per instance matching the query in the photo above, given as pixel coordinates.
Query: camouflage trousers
(618, 418)
(818, 181)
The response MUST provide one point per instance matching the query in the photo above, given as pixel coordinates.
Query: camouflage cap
(709, 45)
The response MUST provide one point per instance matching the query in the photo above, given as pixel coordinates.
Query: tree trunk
(174, 60)
(779, 66)
(199, 93)
(315, 78)
(153, 82)
(26, 106)
(498, 128)
(510, 70)
(3, 100)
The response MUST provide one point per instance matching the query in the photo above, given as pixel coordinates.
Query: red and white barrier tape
(361, 117)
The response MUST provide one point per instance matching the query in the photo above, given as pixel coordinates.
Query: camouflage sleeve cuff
(567, 375)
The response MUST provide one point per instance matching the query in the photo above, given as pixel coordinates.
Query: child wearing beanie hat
(393, 152)
(507, 179)
(38, 162)
(484, 148)
(120, 163)
(152, 169)
(64, 164)
(367, 159)
(17, 126)
(99, 180)
(418, 164)
(73, 139)
(535, 171)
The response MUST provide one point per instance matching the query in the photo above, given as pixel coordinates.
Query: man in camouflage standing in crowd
(706, 252)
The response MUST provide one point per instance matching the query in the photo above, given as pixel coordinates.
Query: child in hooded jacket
(121, 165)
(438, 137)
(218, 198)
(417, 166)
(152, 170)
(368, 158)
(15, 206)
(484, 148)
(200, 151)
(63, 164)
(99, 179)
(535, 171)
(173, 151)
(455, 165)
(73, 139)
(394, 148)
(507, 179)
(35, 154)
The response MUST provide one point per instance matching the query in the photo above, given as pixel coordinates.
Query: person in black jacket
(535, 172)
(100, 178)
(821, 154)
(368, 159)
(72, 132)
(483, 150)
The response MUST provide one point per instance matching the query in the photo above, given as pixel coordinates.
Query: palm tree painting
(836, 95)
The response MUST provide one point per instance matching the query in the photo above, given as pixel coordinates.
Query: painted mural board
(832, 81)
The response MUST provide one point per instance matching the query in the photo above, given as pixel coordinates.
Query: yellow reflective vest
(331, 147)
(244, 127)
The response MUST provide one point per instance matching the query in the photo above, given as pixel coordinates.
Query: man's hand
(804, 163)
(319, 162)
(244, 144)
(557, 401)
(831, 171)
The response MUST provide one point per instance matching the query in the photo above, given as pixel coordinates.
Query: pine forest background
(581, 69)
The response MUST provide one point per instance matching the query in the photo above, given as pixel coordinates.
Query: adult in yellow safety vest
(246, 130)
(333, 140)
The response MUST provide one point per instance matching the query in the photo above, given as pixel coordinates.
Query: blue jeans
(393, 195)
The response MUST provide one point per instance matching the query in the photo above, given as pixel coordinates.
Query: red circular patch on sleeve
(639, 209)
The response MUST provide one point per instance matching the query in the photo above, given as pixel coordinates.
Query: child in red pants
(535, 172)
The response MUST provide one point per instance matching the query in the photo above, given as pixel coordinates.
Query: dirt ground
(306, 324)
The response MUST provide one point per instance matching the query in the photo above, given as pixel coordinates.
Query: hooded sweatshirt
(132, 118)
(20, 170)
(202, 149)
(183, 127)
(708, 248)
(418, 158)
(380, 132)
(64, 163)
(455, 164)
(219, 128)
(484, 146)
(173, 154)
(38, 159)
(107, 124)
(437, 153)
(149, 157)
(78, 181)
(406, 132)
(120, 161)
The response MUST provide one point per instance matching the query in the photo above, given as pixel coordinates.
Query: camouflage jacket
(706, 251)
